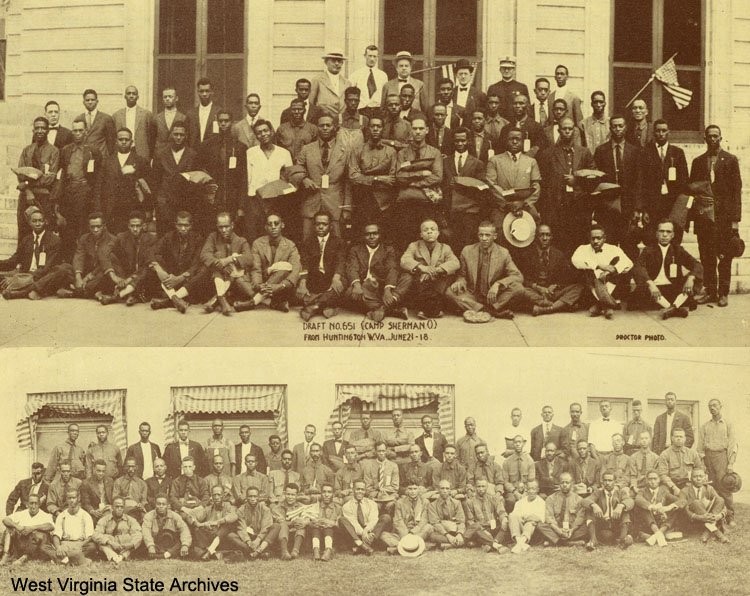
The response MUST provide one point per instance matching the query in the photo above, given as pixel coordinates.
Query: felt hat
(731, 482)
(735, 247)
(275, 188)
(463, 63)
(411, 545)
(519, 231)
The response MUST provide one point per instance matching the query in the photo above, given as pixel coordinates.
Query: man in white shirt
(563, 92)
(515, 428)
(28, 532)
(144, 452)
(138, 120)
(202, 118)
(542, 107)
(605, 266)
(528, 512)
(73, 528)
(602, 429)
(362, 521)
(370, 79)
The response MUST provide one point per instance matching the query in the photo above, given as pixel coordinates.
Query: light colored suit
(420, 93)
(441, 256)
(573, 101)
(144, 135)
(507, 174)
(324, 96)
(261, 259)
(243, 133)
(101, 135)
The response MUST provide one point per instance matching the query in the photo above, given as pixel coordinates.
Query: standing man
(59, 136)
(184, 447)
(202, 118)
(667, 421)
(431, 442)
(546, 432)
(440, 135)
(466, 445)
(532, 133)
(144, 452)
(166, 118)
(445, 88)
(327, 88)
(507, 88)
(335, 448)
(717, 444)
(595, 128)
(70, 452)
(301, 451)
(552, 130)
(138, 120)
(295, 132)
(404, 64)
(100, 127)
(246, 447)
(102, 449)
(541, 109)
(602, 429)
(370, 80)
(242, 130)
(518, 472)
(573, 102)
(310, 112)
(576, 430)
(218, 444)
(640, 131)
(716, 238)
(634, 427)
(467, 98)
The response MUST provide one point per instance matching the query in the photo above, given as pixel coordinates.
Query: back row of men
(469, 157)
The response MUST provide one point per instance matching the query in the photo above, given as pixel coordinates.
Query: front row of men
(486, 280)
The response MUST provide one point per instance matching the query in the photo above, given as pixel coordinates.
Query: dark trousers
(31, 545)
(713, 240)
(568, 295)
(199, 286)
(373, 294)
(203, 537)
(463, 228)
(608, 531)
(479, 535)
(545, 529)
(427, 295)
(63, 276)
(75, 208)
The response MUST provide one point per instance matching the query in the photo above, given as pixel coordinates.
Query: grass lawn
(684, 567)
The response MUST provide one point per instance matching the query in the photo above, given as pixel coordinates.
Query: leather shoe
(330, 312)
(243, 305)
(159, 303)
(503, 314)
(376, 315)
(226, 310)
(34, 295)
(180, 304)
(13, 294)
(705, 298)
(723, 301)
(681, 312)
(131, 300)
(668, 313)
(608, 314)
(282, 306)
(307, 313)
(65, 293)
(107, 299)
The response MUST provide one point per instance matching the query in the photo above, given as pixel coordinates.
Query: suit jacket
(502, 269)
(384, 266)
(537, 434)
(323, 96)
(244, 134)
(506, 91)
(441, 256)
(64, 137)
(484, 150)
(174, 461)
(20, 495)
(534, 108)
(162, 130)
(631, 137)
(507, 174)
(312, 114)
(549, 130)
(653, 172)
(22, 258)
(261, 259)
(194, 123)
(214, 155)
(727, 184)
(620, 495)
(155, 488)
(167, 253)
(144, 135)
(439, 443)
(446, 147)
(167, 173)
(89, 251)
(533, 131)
(573, 101)
(420, 93)
(118, 194)
(332, 458)
(130, 257)
(337, 195)
(660, 440)
(257, 451)
(476, 100)
(136, 453)
(459, 198)
(90, 498)
(299, 461)
(553, 166)
(649, 264)
(334, 261)
(604, 160)
(560, 272)
(101, 135)
(214, 248)
(548, 483)
(93, 179)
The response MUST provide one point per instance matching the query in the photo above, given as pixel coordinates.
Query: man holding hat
(507, 87)
(564, 518)
(327, 88)
(165, 534)
(446, 516)
(486, 519)
(717, 444)
(409, 519)
(403, 63)
(703, 506)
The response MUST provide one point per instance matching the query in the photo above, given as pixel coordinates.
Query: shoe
(330, 312)
(626, 542)
(106, 299)
(15, 294)
(608, 314)
(723, 301)
(546, 543)
(180, 304)
(577, 543)
(226, 310)
(376, 315)
(34, 295)
(282, 306)
(254, 555)
(327, 555)
(294, 554)
(668, 313)
(285, 556)
(243, 305)
(446, 546)
(265, 555)
(306, 313)
(503, 314)
(590, 546)
(500, 549)
(316, 553)
(595, 311)
(210, 307)
(730, 523)
(477, 316)
(399, 312)
(430, 314)
(542, 310)
(367, 549)
(65, 293)
(682, 312)
(486, 548)
(705, 535)
(131, 300)
(705, 298)
(722, 537)
(159, 303)
(421, 315)
(392, 550)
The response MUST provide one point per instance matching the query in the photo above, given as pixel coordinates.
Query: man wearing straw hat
(404, 63)
(327, 88)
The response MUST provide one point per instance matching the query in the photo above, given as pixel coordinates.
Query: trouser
(426, 295)
(287, 531)
(96, 546)
(165, 215)
(373, 294)
(470, 300)
(32, 545)
(198, 286)
(670, 292)
(236, 539)
(608, 531)
(253, 220)
(164, 542)
(713, 240)
(645, 520)
(365, 210)
(384, 521)
(602, 295)
(203, 537)
(716, 468)
(63, 276)
(519, 526)
(545, 529)
(73, 549)
(283, 295)
(568, 295)
(484, 535)
(464, 228)
(75, 208)
(392, 538)
(699, 508)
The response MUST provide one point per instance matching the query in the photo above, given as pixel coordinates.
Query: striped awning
(67, 403)
(227, 399)
(384, 397)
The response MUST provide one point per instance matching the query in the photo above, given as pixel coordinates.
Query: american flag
(667, 74)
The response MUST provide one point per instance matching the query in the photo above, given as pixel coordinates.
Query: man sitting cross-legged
(165, 534)
(564, 519)
(486, 520)
(116, 535)
(654, 510)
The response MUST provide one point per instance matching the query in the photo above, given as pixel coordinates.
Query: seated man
(488, 278)
(528, 512)
(414, 471)
(291, 516)
(548, 279)
(57, 495)
(677, 463)
(159, 484)
(225, 254)
(127, 263)
(655, 509)
(217, 477)
(97, 492)
(251, 478)
(620, 463)
(274, 265)
(608, 513)
(324, 520)
(36, 485)
(704, 507)
(188, 490)
(361, 520)
(116, 535)
(431, 265)
(549, 469)
(605, 266)
(73, 530)
(256, 531)
(375, 286)
(486, 519)
(486, 468)
(321, 282)
(210, 525)
(37, 254)
(343, 482)
(410, 517)
(644, 460)
(659, 274)
(315, 474)
(518, 470)
(278, 479)
(29, 531)
(165, 534)
(382, 479)
(446, 516)
(177, 265)
(133, 489)
(452, 471)
(564, 517)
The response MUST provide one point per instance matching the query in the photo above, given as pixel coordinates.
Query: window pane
(177, 26)
(688, 118)
(226, 33)
(180, 74)
(626, 82)
(633, 31)
(402, 26)
(683, 31)
(456, 33)
(228, 82)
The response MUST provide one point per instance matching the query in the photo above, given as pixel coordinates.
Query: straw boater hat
(520, 231)
(403, 55)
(336, 54)
(411, 545)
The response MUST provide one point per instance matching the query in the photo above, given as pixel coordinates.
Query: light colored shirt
(130, 119)
(122, 158)
(24, 519)
(662, 279)
(70, 526)
(169, 117)
(585, 257)
(525, 508)
(203, 113)
(148, 464)
(716, 435)
(595, 131)
(600, 433)
(178, 155)
(262, 170)
(359, 79)
(370, 511)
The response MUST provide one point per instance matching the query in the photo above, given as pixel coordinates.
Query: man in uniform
(251, 478)
(165, 534)
(507, 88)
(634, 427)
(133, 490)
(315, 474)
(257, 530)
(68, 451)
(346, 475)
(280, 478)
(116, 536)
(449, 469)
(486, 519)
(678, 462)
(564, 518)
(446, 516)
(667, 421)
(518, 471)
(487, 469)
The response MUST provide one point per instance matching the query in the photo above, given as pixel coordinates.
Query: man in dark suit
(311, 113)
(666, 422)
(139, 121)
(659, 274)
(144, 452)
(334, 449)
(100, 127)
(431, 442)
(532, 133)
(467, 98)
(619, 160)
(541, 109)
(608, 513)
(663, 175)
(96, 492)
(157, 485)
(246, 447)
(165, 119)
(480, 145)
(552, 129)
(549, 469)
(640, 131)
(546, 432)
(36, 485)
(440, 136)
(722, 170)
(507, 88)
(321, 283)
(202, 118)
(183, 447)
(59, 136)
(445, 98)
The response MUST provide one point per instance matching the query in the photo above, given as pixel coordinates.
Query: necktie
(483, 273)
(381, 477)
(460, 163)
(566, 511)
(35, 260)
(70, 457)
(286, 477)
(324, 155)
(371, 86)
(608, 513)
(643, 464)
(360, 514)
(542, 114)
(321, 266)
(464, 89)
(514, 156)
(618, 162)
(661, 152)
(88, 119)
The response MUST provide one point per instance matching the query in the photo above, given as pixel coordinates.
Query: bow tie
(597, 250)
(463, 88)
(403, 80)
(428, 435)
(605, 419)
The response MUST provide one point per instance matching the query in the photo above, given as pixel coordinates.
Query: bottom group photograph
(371, 471)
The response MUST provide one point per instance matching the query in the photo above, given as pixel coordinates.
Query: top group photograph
(302, 173)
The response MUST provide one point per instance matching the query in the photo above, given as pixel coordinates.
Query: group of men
(343, 203)
(601, 482)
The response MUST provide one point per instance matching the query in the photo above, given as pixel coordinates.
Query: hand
(184, 551)
(689, 286)
(492, 294)
(174, 281)
(309, 184)
(337, 285)
(458, 286)
(255, 544)
(675, 490)
(653, 290)
(25, 531)
(569, 179)
(78, 282)
(517, 211)
(301, 290)
(226, 261)
(598, 513)
(617, 511)
(358, 294)
(61, 221)
(151, 550)
(118, 281)
(59, 551)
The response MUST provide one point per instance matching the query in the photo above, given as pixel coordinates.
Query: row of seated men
(487, 280)
(398, 178)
